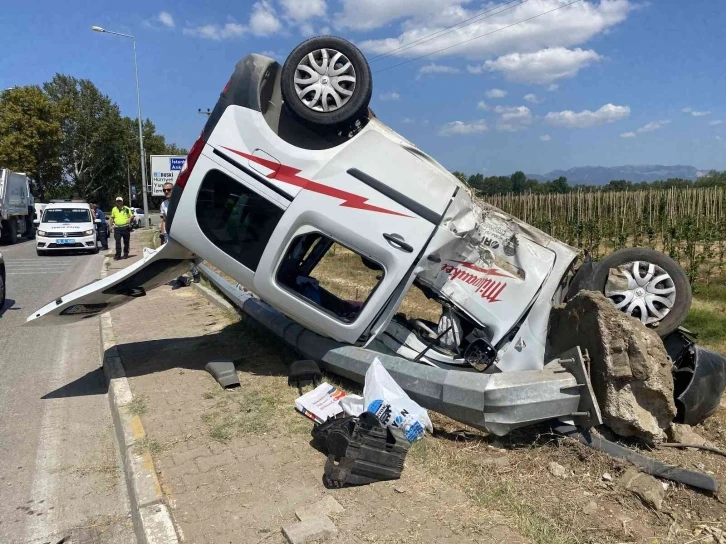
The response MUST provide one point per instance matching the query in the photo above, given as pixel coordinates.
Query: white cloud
(407, 121)
(481, 105)
(166, 19)
(569, 26)
(653, 125)
(552, 87)
(216, 32)
(495, 93)
(434, 68)
(543, 67)
(532, 98)
(627, 135)
(695, 113)
(545, 137)
(586, 118)
(715, 122)
(385, 97)
(512, 119)
(264, 21)
(474, 69)
(302, 10)
(461, 128)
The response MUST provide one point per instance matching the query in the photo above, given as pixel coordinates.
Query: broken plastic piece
(303, 373)
(372, 454)
(224, 372)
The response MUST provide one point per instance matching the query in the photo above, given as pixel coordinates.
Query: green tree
(461, 176)
(91, 152)
(559, 185)
(31, 137)
(518, 181)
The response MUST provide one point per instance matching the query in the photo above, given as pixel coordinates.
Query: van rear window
(66, 215)
(237, 220)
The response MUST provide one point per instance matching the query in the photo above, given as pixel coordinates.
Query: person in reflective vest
(121, 217)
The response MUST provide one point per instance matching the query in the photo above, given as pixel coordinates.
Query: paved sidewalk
(236, 464)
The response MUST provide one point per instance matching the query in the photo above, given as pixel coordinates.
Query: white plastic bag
(392, 406)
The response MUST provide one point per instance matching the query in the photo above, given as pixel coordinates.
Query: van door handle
(396, 240)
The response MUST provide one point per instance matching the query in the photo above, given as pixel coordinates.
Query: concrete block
(313, 530)
(328, 505)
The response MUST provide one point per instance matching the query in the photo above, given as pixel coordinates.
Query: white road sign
(164, 168)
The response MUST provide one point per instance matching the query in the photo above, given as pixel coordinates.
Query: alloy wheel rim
(325, 80)
(650, 293)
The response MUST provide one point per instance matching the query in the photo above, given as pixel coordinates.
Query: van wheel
(40, 252)
(12, 231)
(326, 81)
(648, 285)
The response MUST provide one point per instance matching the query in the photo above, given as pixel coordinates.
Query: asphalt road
(60, 474)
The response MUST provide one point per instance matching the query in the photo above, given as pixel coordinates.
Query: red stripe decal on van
(288, 174)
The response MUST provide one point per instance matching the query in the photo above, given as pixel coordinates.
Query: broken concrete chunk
(318, 529)
(647, 488)
(684, 434)
(630, 369)
(557, 470)
(324, 507)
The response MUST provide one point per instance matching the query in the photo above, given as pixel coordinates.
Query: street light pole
(142, 155)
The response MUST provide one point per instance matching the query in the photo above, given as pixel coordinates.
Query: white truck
(17, 206)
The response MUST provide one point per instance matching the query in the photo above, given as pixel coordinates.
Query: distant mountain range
(601, 175)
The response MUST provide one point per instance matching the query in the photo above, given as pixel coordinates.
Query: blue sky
(605, 82)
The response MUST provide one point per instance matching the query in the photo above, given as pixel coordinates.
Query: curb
(151, 517)
(218, 300)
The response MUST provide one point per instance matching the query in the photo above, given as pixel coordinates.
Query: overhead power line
(442, 32)
(475, 38)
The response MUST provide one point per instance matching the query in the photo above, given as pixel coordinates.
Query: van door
(156, 268)
(339, 251)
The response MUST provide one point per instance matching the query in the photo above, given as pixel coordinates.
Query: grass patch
(715, 292)
(137, 407)
(710, 324)
(148, 444)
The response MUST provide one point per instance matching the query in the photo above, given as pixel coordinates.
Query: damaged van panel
(330, 217)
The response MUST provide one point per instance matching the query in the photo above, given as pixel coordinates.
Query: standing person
(121, 217)
(102, 226)
(163, 211)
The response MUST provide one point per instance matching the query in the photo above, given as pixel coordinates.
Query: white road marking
(50, 437)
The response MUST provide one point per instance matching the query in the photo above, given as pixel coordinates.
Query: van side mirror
(36, 222)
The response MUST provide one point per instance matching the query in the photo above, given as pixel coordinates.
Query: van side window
(331, 276)
(236, 219)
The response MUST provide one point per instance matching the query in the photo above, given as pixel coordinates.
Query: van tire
(356, 105)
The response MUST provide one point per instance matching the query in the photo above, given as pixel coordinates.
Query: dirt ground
(510, 475)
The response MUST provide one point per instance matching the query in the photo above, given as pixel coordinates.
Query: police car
(66, 225)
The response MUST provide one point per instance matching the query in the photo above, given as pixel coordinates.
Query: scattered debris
(400, 489)
(303, 373)
(360, 450)
(590, 508)
(224, 372)
(710, 534)
(647, 488)
(606, 476)
(557, 470)
(630, 368)
(324, 507)
(319, 529)
(321, 404)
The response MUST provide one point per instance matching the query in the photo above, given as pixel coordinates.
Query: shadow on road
(92, 383)
(9, 303)
(251, 347)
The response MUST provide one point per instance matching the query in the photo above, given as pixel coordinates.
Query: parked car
(138, 220)
(296, 190)
(3, 285)
(67, 225)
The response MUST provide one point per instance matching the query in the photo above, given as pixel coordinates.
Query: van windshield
(66, 215)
